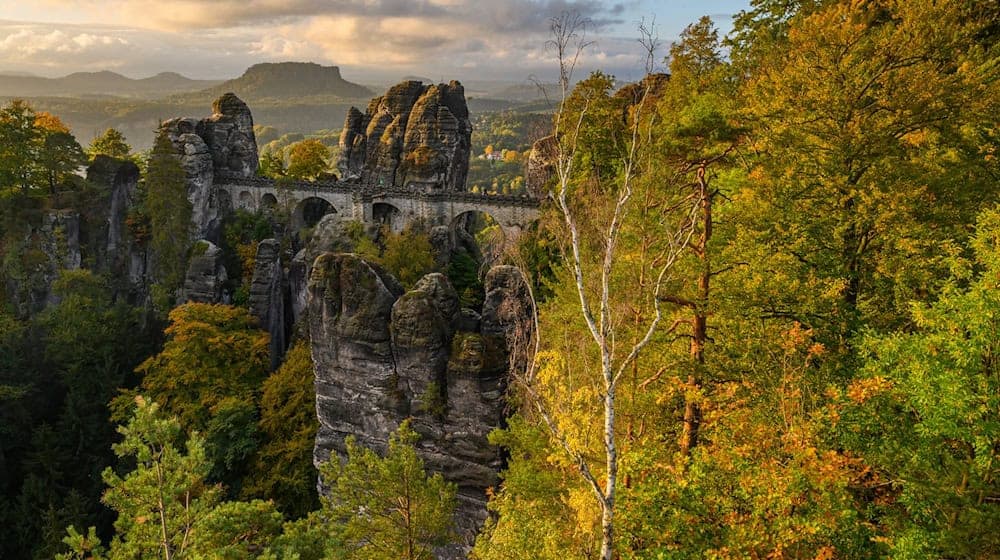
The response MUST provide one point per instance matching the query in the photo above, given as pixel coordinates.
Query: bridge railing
(368, 192)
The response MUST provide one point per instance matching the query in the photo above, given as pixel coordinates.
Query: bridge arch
(269, 201)
(309, 210)
(511, 219)
(244, 201)
(480, 225)
(389, 215)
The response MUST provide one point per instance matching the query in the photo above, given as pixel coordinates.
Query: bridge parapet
(374, 192)
(356, 200)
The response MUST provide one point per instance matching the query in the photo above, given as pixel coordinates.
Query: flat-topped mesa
(414, 134)
(220, 146)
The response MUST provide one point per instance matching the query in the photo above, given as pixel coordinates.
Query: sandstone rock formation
(541, 166)
(115, 250)
(206, 274)
(199, 172)
(542, 158)
(222, 145)
(230, 137)
(651, 87)
(267, 297)
(382, 355)
(120, 178)
(412, 134)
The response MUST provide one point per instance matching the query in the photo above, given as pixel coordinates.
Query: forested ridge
(764, 323)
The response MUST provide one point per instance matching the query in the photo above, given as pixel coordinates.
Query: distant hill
(289, 80)
(291, 97)
(99, 83)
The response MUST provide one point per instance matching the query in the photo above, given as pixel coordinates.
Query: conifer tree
(388, 507)
(169, 212)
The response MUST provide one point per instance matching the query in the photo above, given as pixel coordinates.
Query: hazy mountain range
(293, 97)
(98, 83)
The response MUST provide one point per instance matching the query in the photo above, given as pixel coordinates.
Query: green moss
(467, 351)
(433, 401)
(199, 248)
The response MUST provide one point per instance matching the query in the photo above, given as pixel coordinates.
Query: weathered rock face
(50, 245)
(114, 249)
(652, 87)
(541, 165)
(297, 278)
(350, 308)
(121, 179)
(383, 355)
(267, 297)
(206, 274)
(59, 238)
(199, 172)
(230, 137)
(222, 145)
(413, 133)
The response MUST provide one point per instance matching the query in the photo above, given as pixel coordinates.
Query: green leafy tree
(866, 114)
(90, 346)
(169, 212)
(272, 165)
(111, 143)
(236, 531)
(59, 154)
(388, 507)
(166, 508)
(213, 353)
(20, 145)
(209, 375)
(923, 413)
(283, 468)
(231, 440)
(408, 254)
(308, 159)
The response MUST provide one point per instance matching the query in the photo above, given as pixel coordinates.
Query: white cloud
(31, 46)
(219, 38)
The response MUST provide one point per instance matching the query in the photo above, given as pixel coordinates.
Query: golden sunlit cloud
(220, 38)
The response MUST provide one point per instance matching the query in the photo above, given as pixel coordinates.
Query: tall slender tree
(169, 211)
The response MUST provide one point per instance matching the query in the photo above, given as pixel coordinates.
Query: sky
(368, 39)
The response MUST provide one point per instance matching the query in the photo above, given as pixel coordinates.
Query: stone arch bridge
(395, 207)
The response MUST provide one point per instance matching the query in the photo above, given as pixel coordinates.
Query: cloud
(500, 15)
(39, 46)
(437, 34)
(499, 39)
(59, 49)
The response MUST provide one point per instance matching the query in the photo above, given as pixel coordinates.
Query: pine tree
(388, 507)
(159, 502)
(169, 212)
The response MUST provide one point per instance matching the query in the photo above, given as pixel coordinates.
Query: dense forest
(765, 322)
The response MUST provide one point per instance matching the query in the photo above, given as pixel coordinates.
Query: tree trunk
(611, 457)
(699, 322)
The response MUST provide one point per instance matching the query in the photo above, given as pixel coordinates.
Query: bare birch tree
(593, 286)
